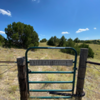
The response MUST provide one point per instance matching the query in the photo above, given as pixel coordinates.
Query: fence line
(6, 70)
(96, 68)
(91, 62)
(8, 62)
(78, 73)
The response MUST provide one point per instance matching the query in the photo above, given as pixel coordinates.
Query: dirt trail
(38, 77)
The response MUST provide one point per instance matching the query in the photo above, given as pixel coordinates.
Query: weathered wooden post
(81, 73)
(22, 78)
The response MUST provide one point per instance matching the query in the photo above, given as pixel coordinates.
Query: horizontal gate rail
(51, 97)
(50, 82)
(50, 90)
(50, 72)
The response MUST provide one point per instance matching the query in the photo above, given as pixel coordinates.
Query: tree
(2, 39)
(53, 41)
(43, 40)
(76, 40)
(69, 43)
(21, 35)
(62, 41)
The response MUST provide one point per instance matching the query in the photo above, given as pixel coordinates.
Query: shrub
(43, 40)
(53, 41)
(77, 48)
(90, 51)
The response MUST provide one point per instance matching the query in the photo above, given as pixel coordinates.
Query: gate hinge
(75, 68)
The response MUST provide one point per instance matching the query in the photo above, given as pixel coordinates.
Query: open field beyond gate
(9, 87)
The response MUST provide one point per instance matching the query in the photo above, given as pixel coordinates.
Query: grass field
(9, 81)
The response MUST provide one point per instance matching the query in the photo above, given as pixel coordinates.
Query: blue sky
(71, 18)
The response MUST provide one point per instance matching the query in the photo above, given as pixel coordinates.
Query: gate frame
(74, 68)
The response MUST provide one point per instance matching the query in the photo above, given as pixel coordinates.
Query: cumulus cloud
(81, 30)
(2, 32)
(65, 33)
(95, 28)
(4, 12)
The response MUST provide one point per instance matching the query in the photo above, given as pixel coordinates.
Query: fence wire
(90, 78)
(6, 70)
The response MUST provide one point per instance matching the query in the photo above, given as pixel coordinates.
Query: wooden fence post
(81, 72)
(22, 78)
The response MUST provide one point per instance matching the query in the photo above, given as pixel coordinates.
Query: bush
(77, 48)
(43, 40)
(90, 51)
(53, 41)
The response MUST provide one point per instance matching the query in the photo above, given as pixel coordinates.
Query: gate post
(81, 73)
(22, 78)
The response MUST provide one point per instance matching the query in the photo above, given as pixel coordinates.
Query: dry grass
(9, 81)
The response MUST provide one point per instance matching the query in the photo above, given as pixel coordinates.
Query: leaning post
(81, 73)
(22, 78)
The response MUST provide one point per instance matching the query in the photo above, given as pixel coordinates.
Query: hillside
(8, 72)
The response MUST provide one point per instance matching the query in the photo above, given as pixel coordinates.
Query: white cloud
(86, 38)
(42, 35)
(81, 30)
(4, 12)
(65, 33)
(95, 28)
(2, 32)
(38, 1)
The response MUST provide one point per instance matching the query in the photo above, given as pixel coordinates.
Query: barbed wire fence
(6, 70)
(88, 77)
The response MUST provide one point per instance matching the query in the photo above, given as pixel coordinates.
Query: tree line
(63, 42)
(20, 35)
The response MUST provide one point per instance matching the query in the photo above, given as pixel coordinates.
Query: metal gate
(52, 62)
